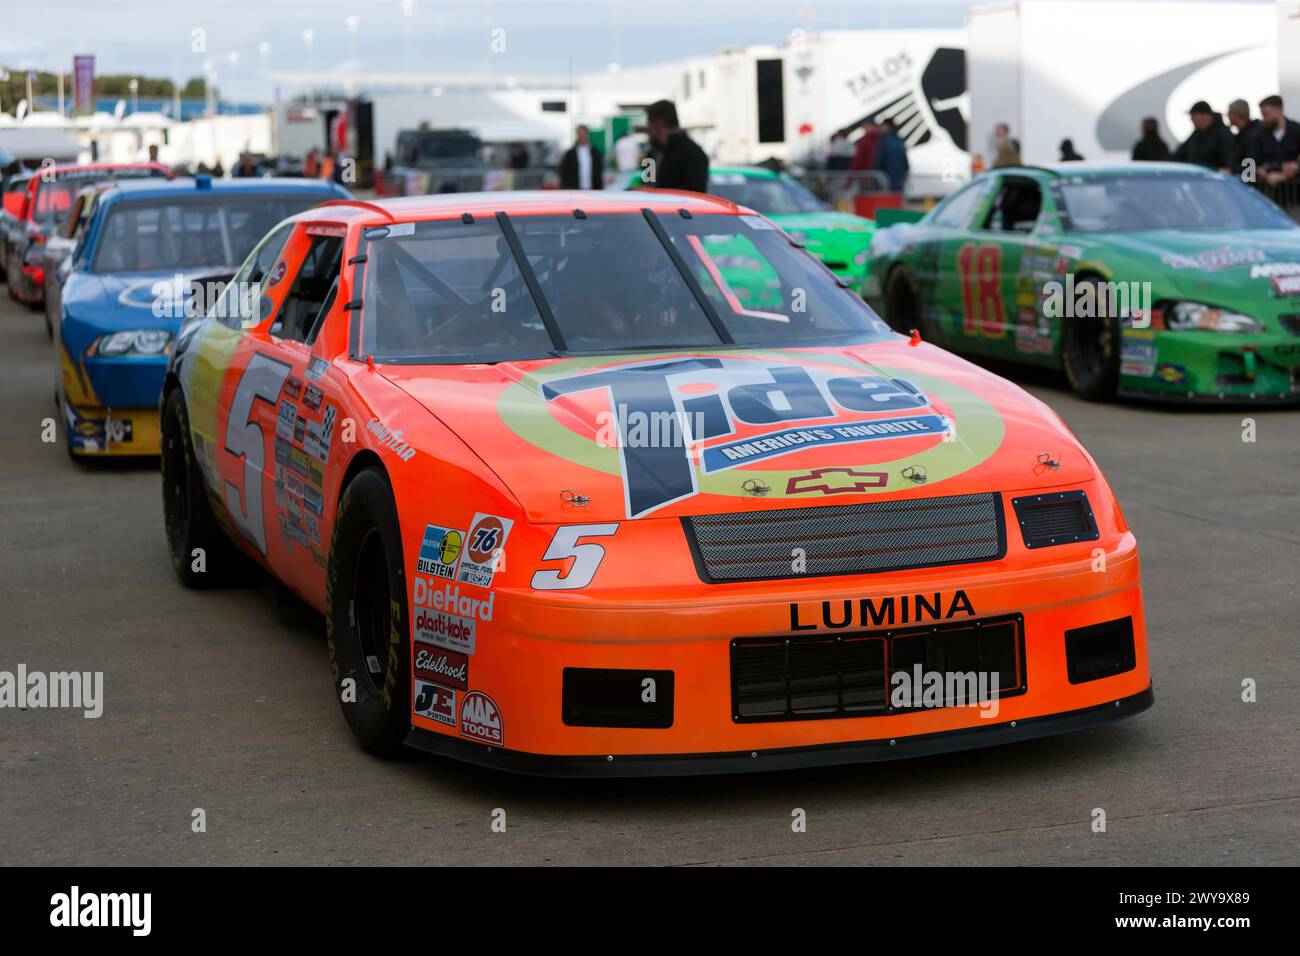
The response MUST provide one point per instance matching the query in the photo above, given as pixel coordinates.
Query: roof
(38, 142)
(153, 188)
(526, 203)
(754, 172)
(1103, 168)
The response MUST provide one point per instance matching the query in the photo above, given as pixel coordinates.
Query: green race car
(1154, 279)
(840, 240)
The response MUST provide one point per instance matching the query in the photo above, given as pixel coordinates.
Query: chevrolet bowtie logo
(835, 481)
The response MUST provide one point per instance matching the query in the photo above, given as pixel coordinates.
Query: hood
(781, 428)
(1194, 262)
(99, 303)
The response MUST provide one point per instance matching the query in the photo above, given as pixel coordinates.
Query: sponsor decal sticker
(441, 664)
(835, 481)
(709, 401)
(1173, 374)
(480, 719)
(435, 703)
(316, 368)
(286, 418)
(277, 274)
(1286, 285)
(312, 398)
(487, 536)
(1215, 259)
(440, 551)
(445, 630)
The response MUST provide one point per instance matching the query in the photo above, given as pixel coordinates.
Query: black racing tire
(188, 521)
(1090, 351)
(902, 301)
(366, 615)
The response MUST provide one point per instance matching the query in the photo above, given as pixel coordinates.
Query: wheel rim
(176, 491)
(371, 608)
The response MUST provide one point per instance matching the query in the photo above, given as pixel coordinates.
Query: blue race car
(153, 254)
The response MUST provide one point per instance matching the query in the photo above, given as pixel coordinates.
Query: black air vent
(802, 678)
(1063, 517)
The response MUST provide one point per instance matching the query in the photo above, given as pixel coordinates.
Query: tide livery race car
(1151, 279)
(569, 507)
(147, 254)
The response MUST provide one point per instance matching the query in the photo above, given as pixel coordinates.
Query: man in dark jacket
(1243, 132)
(679, 161)
(1275, 144)
(891, 156)
(582, 167)
(1210, 144)
(1150, 148)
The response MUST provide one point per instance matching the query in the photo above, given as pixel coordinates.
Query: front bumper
(1210, 367)
(101, 432)
(789, 758)
(519, 663)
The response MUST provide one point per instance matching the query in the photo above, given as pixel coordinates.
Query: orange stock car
(630, 484)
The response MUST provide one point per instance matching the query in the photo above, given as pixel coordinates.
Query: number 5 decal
(263, 378)
(587, 557)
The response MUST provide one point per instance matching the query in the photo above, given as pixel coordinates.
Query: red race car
(50, 195)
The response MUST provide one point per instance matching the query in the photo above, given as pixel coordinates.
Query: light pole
(134, 87)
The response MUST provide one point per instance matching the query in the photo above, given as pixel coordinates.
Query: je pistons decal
(706, 401)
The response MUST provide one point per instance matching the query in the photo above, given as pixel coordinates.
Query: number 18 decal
(263, 378)
(980, 266)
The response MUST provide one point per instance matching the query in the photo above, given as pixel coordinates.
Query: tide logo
(742, 394)
(480, 719)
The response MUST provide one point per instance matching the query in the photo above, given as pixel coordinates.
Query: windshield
(1164, 201)
(54, 199)
(449, 291)
(191, 232)
(770, 196)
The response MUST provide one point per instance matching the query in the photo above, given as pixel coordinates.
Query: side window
(241, 304)
(1016, 206)
(313, 291)
(956, 213)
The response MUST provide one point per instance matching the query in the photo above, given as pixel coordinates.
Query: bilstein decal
(880, 612)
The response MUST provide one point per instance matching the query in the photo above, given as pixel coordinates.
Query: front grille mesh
(848, 539)
(799, 678)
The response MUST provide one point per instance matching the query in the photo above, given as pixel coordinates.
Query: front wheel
(366, 618)
(902, 301)
(1090, 350)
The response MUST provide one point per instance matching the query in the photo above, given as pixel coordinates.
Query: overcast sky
(154, 37)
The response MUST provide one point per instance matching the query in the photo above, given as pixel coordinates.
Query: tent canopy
(35, 144)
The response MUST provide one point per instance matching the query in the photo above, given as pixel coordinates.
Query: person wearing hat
(1210, 144)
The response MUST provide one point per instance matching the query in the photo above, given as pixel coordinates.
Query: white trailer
(1091, 71)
